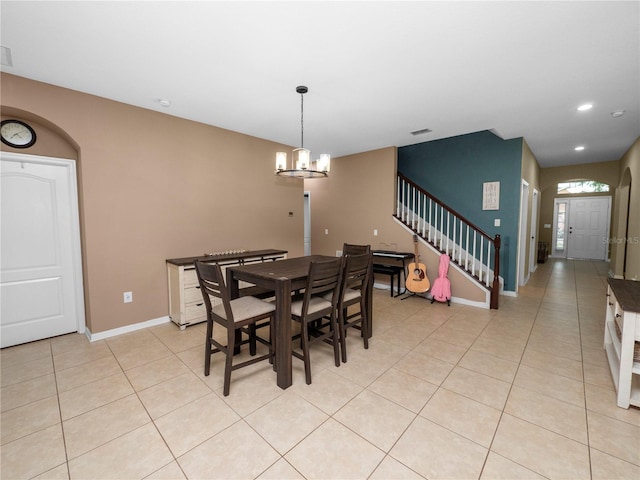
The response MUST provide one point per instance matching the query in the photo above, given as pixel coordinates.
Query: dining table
(283, 277)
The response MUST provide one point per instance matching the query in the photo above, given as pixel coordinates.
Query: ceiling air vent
(420, 132)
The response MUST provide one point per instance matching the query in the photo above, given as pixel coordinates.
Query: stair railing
(469, 247)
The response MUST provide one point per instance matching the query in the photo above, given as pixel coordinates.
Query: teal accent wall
(454, 169)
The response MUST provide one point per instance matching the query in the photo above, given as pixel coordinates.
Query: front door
(589, 228)
(40, 272)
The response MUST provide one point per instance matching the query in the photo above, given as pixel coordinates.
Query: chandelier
(301, 164)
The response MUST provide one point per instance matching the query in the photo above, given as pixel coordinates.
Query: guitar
(417, 281)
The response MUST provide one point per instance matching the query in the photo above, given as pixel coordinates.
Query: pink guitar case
(441, 288)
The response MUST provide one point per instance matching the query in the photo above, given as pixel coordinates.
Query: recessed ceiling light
(584, 107)
(579, 148)
(165, 103)
(617, 113)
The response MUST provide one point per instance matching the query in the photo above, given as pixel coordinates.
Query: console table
(622, 339)
(186, 305)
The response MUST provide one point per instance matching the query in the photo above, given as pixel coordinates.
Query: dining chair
(237, 315)
(352, 301)
(351, 249)
(320, 300)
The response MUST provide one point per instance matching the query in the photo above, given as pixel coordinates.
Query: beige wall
(358, 197)
(605, 172)
(627, 236)
(151, 187)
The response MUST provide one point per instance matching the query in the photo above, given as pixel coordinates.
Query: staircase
(445, 230)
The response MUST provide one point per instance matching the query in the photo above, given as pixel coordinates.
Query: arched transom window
(581, 186)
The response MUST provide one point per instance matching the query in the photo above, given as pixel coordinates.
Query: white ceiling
(375, 70)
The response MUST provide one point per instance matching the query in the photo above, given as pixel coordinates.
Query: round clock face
(17, 134)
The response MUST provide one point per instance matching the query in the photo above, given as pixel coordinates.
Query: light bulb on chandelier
(301, 164)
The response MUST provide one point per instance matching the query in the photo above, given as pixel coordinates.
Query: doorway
(533, 244)
(524, 211)
(581, 227)
(41, 266)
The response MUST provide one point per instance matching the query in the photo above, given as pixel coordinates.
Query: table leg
(369, 302)
(283, 332)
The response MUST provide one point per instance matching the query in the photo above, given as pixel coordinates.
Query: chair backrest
(212, 284)
(356, 272)
(350, 249)
(324, 277)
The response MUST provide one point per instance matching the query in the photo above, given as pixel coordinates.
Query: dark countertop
(627, 293)
(181, 262)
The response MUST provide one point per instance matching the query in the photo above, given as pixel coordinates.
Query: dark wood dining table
(283, 277)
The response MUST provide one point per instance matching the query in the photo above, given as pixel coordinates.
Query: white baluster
(424, 214)
(402, 201)
(441, 225)
(488, 263)
(453, 239)
(480, 270)
(398, 199)
(413, 208)
(473, 263)
(446, 250)
(460, 246)
(466, 249)
(430, 208)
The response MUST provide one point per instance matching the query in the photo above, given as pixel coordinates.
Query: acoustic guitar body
(417, 280)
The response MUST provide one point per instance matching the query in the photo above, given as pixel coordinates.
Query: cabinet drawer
(192, 295)
(194, 312)
(190, 277)
(611, 303)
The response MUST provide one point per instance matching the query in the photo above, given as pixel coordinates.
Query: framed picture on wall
(491, 196)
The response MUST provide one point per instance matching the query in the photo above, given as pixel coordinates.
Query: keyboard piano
(392, 263)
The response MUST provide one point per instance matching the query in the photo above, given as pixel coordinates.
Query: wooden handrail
(440, 202)
(495, 241)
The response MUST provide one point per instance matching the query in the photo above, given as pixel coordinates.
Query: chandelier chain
(302, 120)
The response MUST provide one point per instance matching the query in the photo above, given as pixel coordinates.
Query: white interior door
(40, 269)
(533, 245)
(589, 219)
(524, 214)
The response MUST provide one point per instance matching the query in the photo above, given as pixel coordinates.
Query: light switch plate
(496, 222)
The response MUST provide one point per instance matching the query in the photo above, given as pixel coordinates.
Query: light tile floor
(442, 393)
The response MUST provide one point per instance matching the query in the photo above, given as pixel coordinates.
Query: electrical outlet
(375, 232)
(128, 297)
(326, 231)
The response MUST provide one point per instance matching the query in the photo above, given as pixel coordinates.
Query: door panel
(37, 278)
(533, 246)
(588, 227)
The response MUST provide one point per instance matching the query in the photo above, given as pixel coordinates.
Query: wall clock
(17, 134)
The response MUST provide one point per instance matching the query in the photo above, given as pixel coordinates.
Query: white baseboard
(94, 337)
(381, 286)
(470, 303)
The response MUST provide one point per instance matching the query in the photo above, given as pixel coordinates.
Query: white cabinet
(622, 339)
(186, 306)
